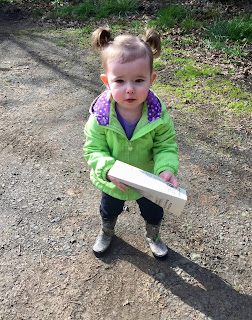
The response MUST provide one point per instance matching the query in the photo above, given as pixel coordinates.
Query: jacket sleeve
(165, 150)
(96, 150)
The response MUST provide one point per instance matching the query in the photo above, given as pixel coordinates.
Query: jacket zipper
(130, 147)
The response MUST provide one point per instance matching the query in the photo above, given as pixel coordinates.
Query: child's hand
(119, 184)
(168, 176)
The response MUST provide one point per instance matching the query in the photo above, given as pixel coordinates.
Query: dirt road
(49, 209)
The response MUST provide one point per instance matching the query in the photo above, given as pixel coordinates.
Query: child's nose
(130, 88)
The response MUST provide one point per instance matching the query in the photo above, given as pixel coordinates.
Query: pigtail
(152, 38)
(100, 38)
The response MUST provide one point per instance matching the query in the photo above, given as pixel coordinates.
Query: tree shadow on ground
(212, 296)
(76, 80)
(39, 50)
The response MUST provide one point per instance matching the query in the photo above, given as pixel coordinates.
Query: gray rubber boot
(105, 236)
(153, 239)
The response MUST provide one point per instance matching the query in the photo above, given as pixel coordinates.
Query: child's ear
(104, 79)
(153, 77)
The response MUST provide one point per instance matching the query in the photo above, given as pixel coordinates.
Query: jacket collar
(101, 107)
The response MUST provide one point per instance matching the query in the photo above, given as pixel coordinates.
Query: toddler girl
(128, 122)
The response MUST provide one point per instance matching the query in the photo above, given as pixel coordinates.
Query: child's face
(129, 82)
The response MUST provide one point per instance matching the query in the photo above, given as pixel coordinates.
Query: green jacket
(151, 148)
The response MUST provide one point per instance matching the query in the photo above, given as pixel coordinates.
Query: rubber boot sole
(163, 258)
(100, 254)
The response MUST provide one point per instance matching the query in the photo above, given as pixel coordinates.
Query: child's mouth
(130, 100)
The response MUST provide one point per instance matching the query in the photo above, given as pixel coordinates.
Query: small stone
(126, 303)
(73, 240)
(195, 256)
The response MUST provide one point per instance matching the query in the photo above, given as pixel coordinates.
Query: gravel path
(49, 209)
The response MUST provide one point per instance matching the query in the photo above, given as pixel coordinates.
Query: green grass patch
(232, 49)
(235, 29)
(117, 28)
(190, 23)
(190, 71)
(158, 65)
(80, 36)
(230, 97)
(60, 44)
(226, 35)
(170, 16)
(229, 36)
(174, 56)
(37, 13)
(188, 40)
(80, 11)
(98, 9)
(194, 86)
(137, 26)
(83, 30)
(175, 16)
(115, 7)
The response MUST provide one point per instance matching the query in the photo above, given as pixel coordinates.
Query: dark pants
(110, 208)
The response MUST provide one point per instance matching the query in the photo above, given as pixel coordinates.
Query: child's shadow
(207, 293)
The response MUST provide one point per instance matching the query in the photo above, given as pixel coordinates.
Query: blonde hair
(126, 48)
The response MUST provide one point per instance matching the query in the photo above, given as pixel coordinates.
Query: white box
(150, 186)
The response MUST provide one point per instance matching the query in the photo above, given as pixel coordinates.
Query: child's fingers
(168, 176)
(173, 181)
(119, 185)
(122, 187)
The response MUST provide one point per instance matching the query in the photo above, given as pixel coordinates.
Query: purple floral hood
(101, 107)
